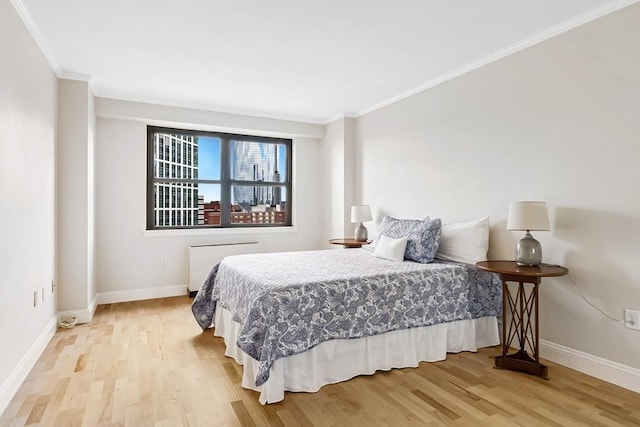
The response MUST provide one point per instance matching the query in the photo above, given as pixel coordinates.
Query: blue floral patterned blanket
(287, 303)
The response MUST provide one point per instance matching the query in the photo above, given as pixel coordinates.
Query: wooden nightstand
(523, 307)
(349, 243)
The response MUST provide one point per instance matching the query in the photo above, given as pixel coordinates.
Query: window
(216, 180)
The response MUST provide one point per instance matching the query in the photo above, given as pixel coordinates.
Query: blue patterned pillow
(423, 236)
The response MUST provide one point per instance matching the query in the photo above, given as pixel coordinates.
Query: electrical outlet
(163, 262)
(632, 319)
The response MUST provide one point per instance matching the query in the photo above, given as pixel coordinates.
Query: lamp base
(361, 233)
(528, 251)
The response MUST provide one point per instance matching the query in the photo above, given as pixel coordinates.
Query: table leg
(522, 308)
(505, 346)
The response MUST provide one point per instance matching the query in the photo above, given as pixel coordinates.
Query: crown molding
(344, 115)
(40, 40)
(71, 75)
(33, 29)
(563, 27)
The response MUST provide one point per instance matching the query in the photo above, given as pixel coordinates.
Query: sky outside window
(209, 167)
(282, 162)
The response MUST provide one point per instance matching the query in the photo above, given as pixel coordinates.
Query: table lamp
(360, 214)
(528, 216)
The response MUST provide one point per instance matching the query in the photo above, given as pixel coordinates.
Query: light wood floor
(147, 363)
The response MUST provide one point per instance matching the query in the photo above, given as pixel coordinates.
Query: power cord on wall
(592, 305)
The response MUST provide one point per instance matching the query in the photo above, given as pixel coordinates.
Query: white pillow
(390, 248)
(465, 241)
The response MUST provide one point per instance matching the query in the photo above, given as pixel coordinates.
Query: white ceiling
(305, 60)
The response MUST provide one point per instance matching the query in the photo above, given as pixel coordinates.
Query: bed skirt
(339, 360)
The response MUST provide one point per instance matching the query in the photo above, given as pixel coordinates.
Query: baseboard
(10, 386)
(113, 297)
(84, 315)
(606, 370)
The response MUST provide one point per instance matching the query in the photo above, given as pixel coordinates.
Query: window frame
(225, 181)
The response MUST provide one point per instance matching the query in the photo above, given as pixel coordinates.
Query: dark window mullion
(150, 180)
(288, 183)
(225, 187)
(260, 183)
(187, 181)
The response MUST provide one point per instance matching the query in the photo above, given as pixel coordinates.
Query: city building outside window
(216, 180)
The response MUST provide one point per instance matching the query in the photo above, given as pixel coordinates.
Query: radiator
(202, 258)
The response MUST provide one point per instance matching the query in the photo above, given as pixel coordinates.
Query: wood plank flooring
(147, 363)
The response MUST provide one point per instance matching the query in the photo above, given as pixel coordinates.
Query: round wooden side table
(522, 306)
(349, 243)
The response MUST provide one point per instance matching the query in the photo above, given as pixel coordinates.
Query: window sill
(218, 231)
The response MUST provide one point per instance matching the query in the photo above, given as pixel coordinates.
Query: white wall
(338, 158)
(75, 198)
(28, 90)
(127, 258)
(559, 121)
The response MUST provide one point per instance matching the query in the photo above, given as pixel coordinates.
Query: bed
(299, 320)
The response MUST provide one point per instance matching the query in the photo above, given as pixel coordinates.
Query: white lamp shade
(528, 216)
(361, 213)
